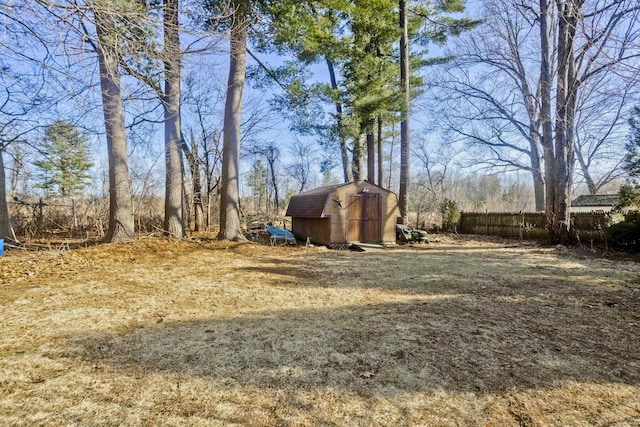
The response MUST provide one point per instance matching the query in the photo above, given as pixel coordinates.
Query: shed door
(364, 217)
(372, 218)
(355, 212)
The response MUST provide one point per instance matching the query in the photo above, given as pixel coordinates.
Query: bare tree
(585, 30)
(121, 226)
(535, 89)
(143, 60)
(173, 221)
(230, 193)
(23, 55)
(432, 182)
(146, 184)
(600, 128)
(202, 99)
(303, 154)
(193, 159)
(271, 155)
(488, 94)
(436, 162)
(99, 25)
(5, 224)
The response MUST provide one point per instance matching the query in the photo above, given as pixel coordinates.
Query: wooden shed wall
(316, 229)
(339, 212)
(390, 215)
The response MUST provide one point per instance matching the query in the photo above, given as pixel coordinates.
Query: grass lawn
(459, 332)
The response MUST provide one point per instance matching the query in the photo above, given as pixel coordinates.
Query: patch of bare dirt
(462, 331)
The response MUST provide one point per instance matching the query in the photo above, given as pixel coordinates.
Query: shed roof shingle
(596, 200)
(310, 204)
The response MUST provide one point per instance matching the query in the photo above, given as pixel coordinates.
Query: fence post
(521, 225)
(486, 222)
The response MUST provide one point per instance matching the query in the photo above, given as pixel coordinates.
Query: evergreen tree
(66, 159)
(370, 73)
(632, 158)
(256, 180)
(630, 191)
(358, 40)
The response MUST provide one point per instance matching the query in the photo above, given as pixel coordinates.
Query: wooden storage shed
(345, 213)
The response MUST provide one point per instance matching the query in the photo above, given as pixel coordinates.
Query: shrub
(626, 234)
(450, 214)
(629, 197)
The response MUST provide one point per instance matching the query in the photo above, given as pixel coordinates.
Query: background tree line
(542, 88)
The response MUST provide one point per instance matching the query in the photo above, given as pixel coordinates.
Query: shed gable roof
(310, 204)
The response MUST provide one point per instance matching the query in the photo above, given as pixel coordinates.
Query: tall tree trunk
(196, 182)
(403, 194)
(121, 226)
(208, 178)
(565, 117)
(538, 189)
(545, 113)
(194, 165)
(536, 171)
(357, 160)
(391, 147)
(380, 154)
(173, 209)
(271, 159)
(371, 155)
(230, 190)
(348, 177)
(5, 223)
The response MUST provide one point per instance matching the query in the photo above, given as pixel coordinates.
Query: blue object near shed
(280, 236)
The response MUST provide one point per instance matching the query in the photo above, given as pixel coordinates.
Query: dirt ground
(196, 332)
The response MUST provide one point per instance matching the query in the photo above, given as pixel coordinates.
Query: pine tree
(630, 191)
(66, 159)
(632, 158)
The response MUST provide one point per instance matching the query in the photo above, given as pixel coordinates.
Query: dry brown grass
(162, 332)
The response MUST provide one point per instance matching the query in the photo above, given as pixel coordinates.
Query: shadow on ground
(461, 343)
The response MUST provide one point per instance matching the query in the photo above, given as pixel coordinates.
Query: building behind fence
(590, 226)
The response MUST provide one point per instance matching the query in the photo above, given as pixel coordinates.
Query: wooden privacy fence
(529, 225)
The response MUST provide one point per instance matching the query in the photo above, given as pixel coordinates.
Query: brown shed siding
(317, 230)
(354, 217)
